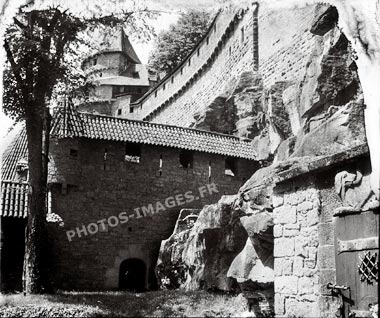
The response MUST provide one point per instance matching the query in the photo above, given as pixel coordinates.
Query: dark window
(95, 61)
(155, 94)
(131, 109)
(186, 159)
(135, 75)
(139, 90)
(198, 52)
(230, 167)
(132, 152)
(164, 86)
(230, 50)
(207, 40)
(100, 74)
(73, 153)
(181, 70)
(215, 27)
(172, 80)
(189, 61)
(242, 34)
(119, 112)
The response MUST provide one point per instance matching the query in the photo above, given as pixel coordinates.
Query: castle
(274, 120)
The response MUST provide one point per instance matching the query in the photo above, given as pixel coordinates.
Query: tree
(42, 53)
(172, 46)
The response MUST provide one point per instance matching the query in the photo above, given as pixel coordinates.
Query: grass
(124, 304)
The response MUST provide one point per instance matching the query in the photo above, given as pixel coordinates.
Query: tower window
(132, 152)
(119, 112)
(186, 159)
(230, 167)
(131, 109)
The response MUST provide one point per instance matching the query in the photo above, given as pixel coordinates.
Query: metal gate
(357, 259)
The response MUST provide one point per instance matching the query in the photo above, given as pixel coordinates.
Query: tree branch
(15, 68)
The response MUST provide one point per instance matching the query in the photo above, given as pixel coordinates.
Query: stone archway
(132, 275)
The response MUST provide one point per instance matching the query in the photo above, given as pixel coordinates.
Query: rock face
(291, 122)
(198, 256)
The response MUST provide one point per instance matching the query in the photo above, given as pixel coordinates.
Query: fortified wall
(250, 40)
(228, 48)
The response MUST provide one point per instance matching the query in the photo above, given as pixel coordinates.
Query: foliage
(47, 46)
(168, 303)
(172, 46)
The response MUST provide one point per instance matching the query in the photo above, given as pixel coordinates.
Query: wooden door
(357, 257)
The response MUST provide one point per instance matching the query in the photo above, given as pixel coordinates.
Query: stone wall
(304, 239)
(227, 50)
(296, 247)
(86, 188)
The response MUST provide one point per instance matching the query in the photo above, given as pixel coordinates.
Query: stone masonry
(85, 188)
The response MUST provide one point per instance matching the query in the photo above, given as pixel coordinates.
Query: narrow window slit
(160, 170)
(132, 152)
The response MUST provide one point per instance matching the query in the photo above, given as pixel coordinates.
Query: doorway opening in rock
(132, 275)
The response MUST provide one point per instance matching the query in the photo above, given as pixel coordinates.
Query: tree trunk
(35, 271)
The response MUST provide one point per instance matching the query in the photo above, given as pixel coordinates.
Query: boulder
(202, 254)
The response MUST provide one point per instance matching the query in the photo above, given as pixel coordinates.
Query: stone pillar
(296, 217)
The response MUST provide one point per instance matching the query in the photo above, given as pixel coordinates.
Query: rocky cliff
(319, 111)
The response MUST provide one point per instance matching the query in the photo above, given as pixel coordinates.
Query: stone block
(312, 217)
(289, 233)
(301, 308)
(283, 266)
(326, 257)
(286, 285)
(298, 266)
(279, 305)
(285, 214)
(304, 206)
(277, 230)
(326, 233)
(326, 276)
(278, 200)
(305, 285)
(283, 247)
(300, 246)
(312, 251)
(328, 306)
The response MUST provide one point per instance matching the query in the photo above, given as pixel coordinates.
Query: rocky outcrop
(295, 125)
(198, 256)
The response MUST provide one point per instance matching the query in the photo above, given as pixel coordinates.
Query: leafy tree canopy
(46, 44)
(173, 45)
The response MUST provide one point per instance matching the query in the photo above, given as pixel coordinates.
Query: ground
(125, 304)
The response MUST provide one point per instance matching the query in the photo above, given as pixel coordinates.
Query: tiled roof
(71, 123)
(17, 150)
(14, 194)
(14, 199)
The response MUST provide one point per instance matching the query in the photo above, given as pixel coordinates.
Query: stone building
(295, 219)
(118, 76)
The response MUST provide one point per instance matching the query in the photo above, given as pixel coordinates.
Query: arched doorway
(132, 275)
